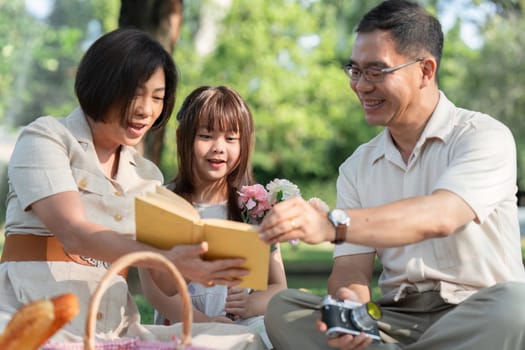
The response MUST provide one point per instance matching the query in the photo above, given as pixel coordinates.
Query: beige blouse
(57, 155)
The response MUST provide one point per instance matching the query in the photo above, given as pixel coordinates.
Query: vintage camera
(349, 317)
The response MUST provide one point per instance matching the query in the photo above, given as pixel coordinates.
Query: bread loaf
(33, 324)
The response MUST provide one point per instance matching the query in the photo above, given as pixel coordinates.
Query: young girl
(215, 138)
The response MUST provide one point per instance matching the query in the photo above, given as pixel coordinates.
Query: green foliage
(318, 188)
(492, 78)
(282, 56)
(145, 309)
(39, 56)
(16, 44)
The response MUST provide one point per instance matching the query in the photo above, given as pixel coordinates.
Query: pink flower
(256, 200)
(256, 192)
(254, 203)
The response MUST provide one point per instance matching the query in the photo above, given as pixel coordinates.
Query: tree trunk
(162, 20)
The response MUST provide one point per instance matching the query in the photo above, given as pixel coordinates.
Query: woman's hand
(295, 218)
(220, 319)
(188, 259)
(237, 303)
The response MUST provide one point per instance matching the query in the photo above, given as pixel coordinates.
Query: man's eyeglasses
(373, 75)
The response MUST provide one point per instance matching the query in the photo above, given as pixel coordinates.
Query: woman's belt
(28, 247)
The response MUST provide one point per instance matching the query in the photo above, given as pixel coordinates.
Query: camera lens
(373, 310)
(365, 316)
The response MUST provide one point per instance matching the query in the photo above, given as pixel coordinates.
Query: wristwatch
(341, 221)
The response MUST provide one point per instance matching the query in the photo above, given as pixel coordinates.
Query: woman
(72, 184)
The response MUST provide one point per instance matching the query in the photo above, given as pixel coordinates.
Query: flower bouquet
(256, 200)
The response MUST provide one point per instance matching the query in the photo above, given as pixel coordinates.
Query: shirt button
(118, 193)
(117, 217)
(82, 183)
(99, 316)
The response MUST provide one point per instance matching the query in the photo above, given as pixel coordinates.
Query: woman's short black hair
(115, 66)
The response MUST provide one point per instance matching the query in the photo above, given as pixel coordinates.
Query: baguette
(66, 307)
(33, 324)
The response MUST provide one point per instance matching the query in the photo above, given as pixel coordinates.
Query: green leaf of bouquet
(279, 196)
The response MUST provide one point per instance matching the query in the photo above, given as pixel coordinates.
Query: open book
(164, 219)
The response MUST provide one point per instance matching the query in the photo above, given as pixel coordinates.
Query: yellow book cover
(164, 219)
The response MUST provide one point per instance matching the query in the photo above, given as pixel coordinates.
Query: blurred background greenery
(285, 58)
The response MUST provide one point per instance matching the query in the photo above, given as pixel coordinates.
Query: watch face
(339, 216)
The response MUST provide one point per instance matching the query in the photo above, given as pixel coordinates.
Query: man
(433, 196)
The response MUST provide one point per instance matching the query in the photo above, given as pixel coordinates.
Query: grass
(145, 309)
(307, 257)
(308, 267)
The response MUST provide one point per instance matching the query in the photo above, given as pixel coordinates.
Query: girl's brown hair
(219, 108)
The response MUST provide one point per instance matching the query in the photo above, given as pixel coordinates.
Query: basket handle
(118, 265)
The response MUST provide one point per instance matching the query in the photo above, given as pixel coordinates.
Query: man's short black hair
(413, 28)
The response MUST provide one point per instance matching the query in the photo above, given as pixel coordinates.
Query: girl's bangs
(223, 118)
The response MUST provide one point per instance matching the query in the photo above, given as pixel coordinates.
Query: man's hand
(346, 341)
(295, 218)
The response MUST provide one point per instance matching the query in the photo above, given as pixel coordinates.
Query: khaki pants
(492, 319)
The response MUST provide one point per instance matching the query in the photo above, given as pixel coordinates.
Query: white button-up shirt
(468, 153)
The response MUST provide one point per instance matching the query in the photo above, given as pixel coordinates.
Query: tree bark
(162, 20)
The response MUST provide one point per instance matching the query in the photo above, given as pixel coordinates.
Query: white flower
(319, 204)
(282, 189)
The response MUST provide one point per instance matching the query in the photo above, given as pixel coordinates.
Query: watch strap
(340, 234)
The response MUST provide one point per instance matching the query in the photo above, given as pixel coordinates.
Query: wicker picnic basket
(133, 344)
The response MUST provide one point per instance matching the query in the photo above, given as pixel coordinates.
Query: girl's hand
(237, 303)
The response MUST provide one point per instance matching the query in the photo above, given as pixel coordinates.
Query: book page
(176, 201)
(164, 221)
